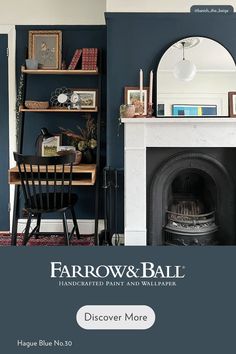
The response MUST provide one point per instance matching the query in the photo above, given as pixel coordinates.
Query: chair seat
(51, 202)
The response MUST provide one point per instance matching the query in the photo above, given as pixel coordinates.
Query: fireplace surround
(201, 145)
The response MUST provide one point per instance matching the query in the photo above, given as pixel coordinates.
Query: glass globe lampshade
(185, 70)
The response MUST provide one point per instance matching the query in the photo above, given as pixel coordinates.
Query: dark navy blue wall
(40, 88)
(4, 134)
(139, 40)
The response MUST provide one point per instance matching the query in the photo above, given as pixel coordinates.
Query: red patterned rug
(86, 240)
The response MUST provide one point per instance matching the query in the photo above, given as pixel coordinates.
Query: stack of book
(89, 58)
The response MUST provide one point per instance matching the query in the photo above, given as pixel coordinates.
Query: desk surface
(83, 174)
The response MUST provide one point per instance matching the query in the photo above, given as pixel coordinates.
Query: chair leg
(38, 225)
(66, 233)
(75, 222)
(27, 229)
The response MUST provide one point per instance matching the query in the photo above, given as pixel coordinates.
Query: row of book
(89, 59)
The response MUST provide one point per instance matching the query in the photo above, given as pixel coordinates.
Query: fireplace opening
(191, 196)
(191, 210)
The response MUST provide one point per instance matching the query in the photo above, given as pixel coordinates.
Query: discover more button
(115, 317)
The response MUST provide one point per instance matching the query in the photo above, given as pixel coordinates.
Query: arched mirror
(194, 77)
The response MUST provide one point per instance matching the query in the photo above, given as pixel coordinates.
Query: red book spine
(89, 58)
(75, 59)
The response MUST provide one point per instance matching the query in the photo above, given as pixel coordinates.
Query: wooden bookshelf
(58, 72)
(58, 110)
(82, 175)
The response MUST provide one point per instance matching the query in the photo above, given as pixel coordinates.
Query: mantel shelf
(58, 72)
(58, 110)
(172, 120)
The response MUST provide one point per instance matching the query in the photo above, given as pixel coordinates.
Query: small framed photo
(87, 98)
(232, 104)
(132, 96)
(45, 46)
(51, 145)
(194, 110)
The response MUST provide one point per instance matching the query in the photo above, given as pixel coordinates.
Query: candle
(150, 87)
(141, 85)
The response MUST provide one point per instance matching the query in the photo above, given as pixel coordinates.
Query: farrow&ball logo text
(142, 274)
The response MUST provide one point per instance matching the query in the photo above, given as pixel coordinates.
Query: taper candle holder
(140, 109)
(150, 110)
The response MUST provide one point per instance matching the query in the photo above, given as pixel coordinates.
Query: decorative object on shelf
(192, 110)
(78, 157)
(132, 96)
(141, 85)
(89, 58)
(232, 104)
(45, 46)
(127, 111)
(37, 104)
(75, 59)
(184, 70)
(51, 145)
(60, 98)
(160, 109)
(150, 110)
(75, 100)
(64, 150)
(87, 98)
(150, 102)
(32, 64)
(86, 140)
(63, 65)
(44, 134)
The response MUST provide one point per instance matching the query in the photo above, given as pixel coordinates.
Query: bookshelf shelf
(58, 110)
(58, 72)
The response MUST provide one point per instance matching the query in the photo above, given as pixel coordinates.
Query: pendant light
(184, 70)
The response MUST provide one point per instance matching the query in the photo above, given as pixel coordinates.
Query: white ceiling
(208, 55)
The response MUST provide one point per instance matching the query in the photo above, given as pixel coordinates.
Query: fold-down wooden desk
(82, 175)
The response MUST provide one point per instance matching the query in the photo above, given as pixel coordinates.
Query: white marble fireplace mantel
(141, 133)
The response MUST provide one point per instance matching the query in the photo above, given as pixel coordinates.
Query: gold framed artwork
(132, 96)
(46, 46)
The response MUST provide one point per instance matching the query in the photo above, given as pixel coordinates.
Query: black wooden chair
(46, 184)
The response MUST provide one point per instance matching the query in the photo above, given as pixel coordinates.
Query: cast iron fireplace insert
(191, 198)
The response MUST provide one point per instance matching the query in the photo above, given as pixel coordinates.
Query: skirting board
(86, 227)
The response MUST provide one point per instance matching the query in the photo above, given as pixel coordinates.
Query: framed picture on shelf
(51, 145)
(194, 110)
(87, 98)
(45, 46)
(132, 96)
(232, 104)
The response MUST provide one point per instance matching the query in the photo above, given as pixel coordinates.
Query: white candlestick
(141, 85)
(150, 87)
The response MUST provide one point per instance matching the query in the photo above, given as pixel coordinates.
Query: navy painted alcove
(39, 87)
(138, 40)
